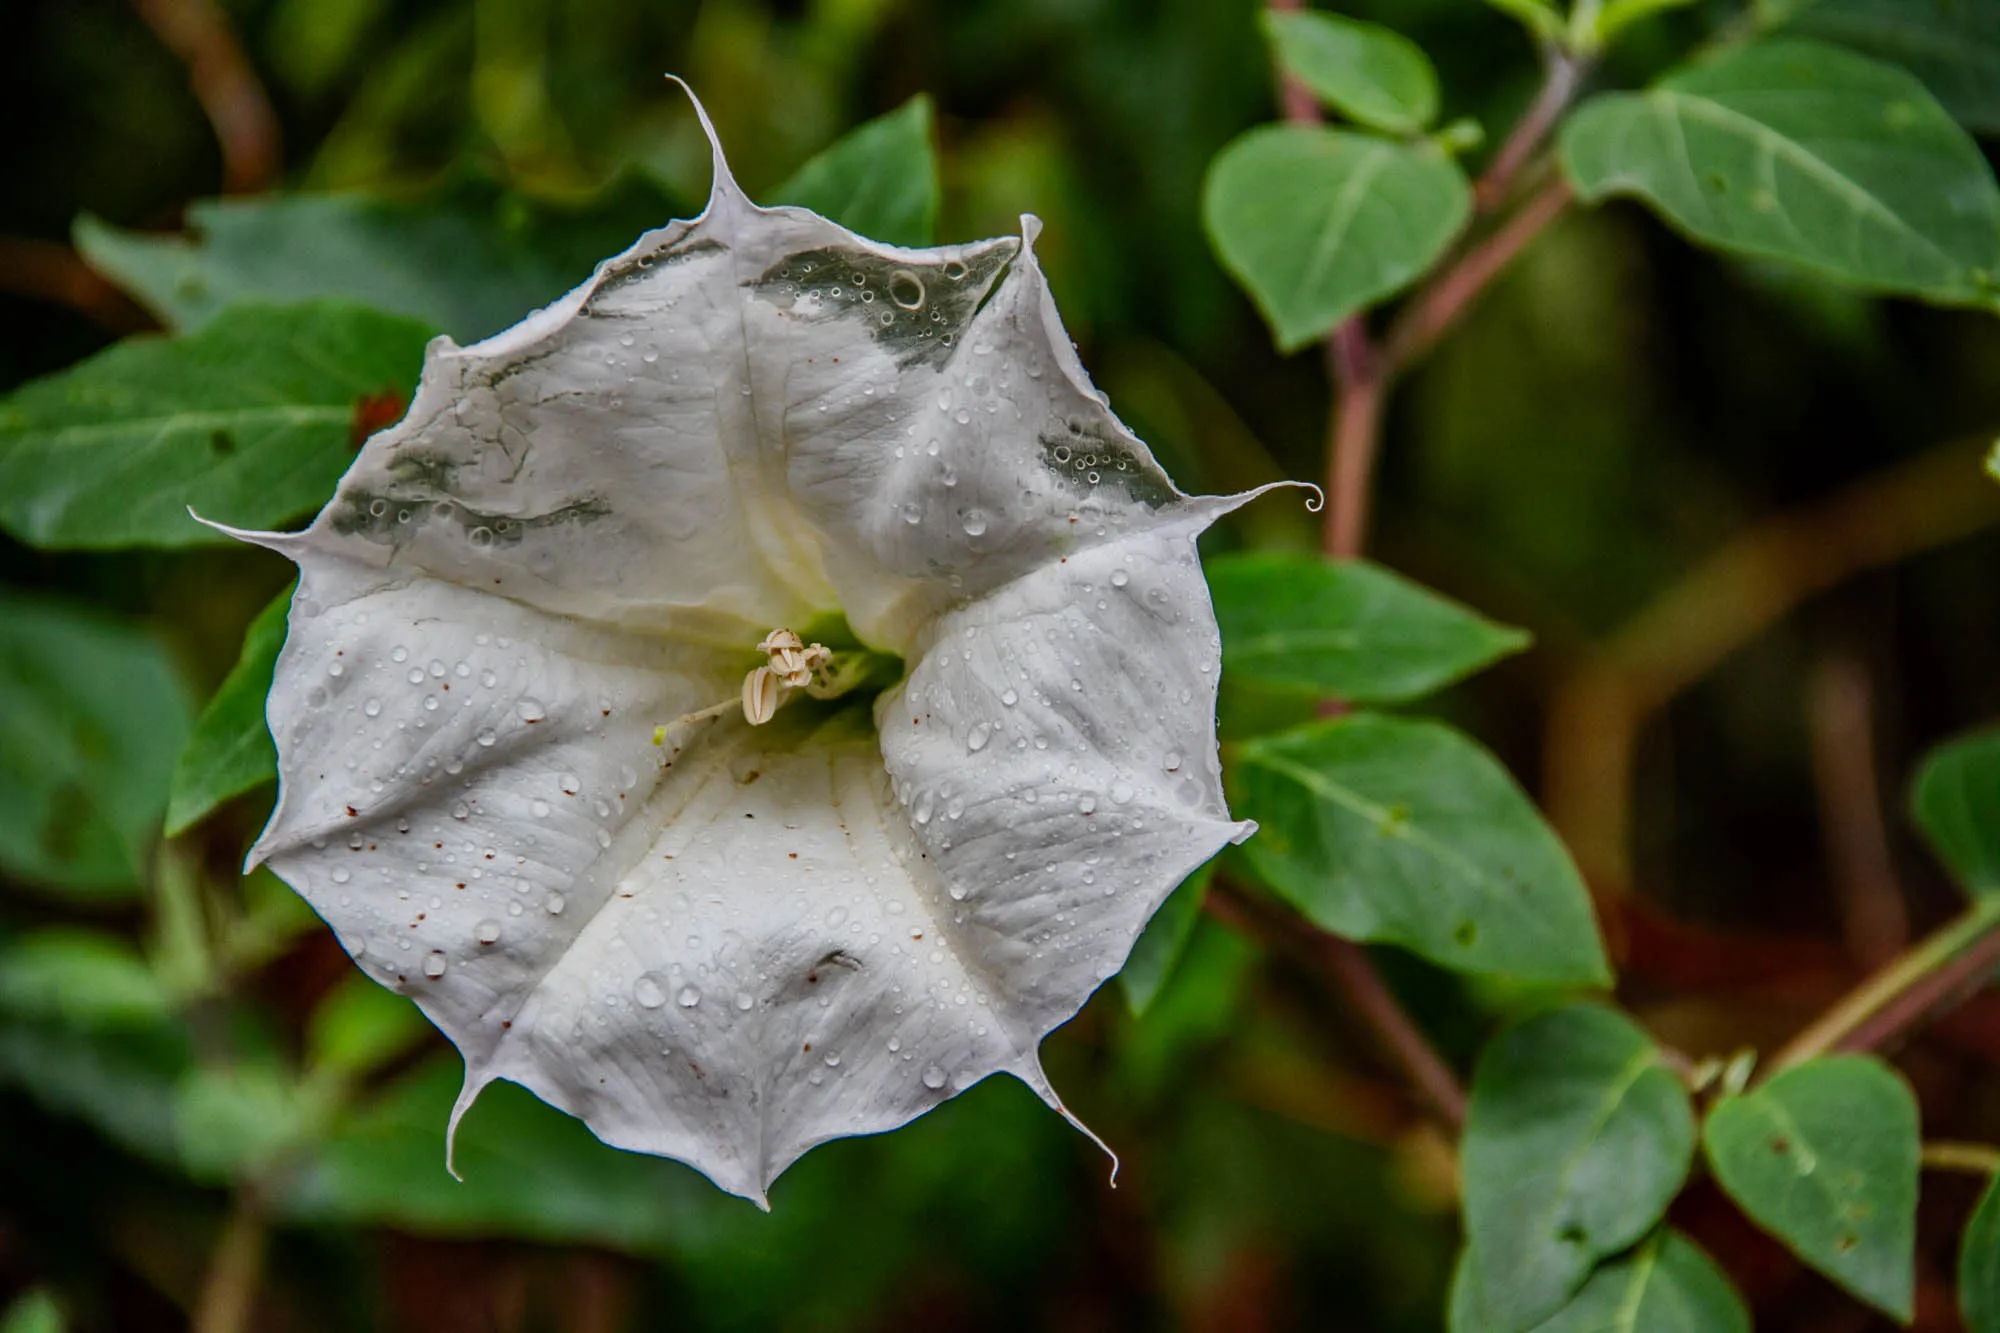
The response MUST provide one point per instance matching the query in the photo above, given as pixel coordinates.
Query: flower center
(794, 666)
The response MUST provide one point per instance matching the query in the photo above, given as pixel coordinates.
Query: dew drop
(1119, 578)
(975, 740)
(1009, 698)
(340, 875)
(531, 710)
(933, 1077)
(570, 784)
(975, 522)
(555, 904)
(434, 964)
(487, 931)
(688, 998)
(372, 708)
(487, 737)
(648, 993)
(744, 1001)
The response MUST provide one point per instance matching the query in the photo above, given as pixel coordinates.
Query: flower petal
(749, 940)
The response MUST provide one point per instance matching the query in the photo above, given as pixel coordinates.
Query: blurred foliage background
(1736, 507)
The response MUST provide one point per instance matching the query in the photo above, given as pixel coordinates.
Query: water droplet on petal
(570, 784)
(975, 740)
(933, 1077)
(487, 931)
(688, 998)
(648, 993)
(1119, 578)
(556, 904)
(1009, 698)
(531, 710)
(975, 522)
(434, 965)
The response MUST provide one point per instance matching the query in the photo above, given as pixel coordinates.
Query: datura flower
(757, 696)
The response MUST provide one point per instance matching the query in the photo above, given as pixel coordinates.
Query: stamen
(794, 665)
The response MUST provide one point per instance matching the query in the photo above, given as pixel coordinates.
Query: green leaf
(91, 716)
(1618, 15)
(1369, 73)
(1382, 828)
(1346, 628)
(469, 262)
(1576, 1140)
(1796, 151)
(250, 421)
(33, 1312)
(360, 1026)
(1952, 45)
(230, 751)
(1667, 1285)
(1824, 1157)
(1979, 1265)
(1956, 802)
(879, 179)
(1160, 945)
(1539, 17)
(230, 1120)
(83, 978)
(1317, 224)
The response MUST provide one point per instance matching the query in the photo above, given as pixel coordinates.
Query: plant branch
(1977, 1159)
(1943, 966)
(1346, 965)
(1563, 75)
(1840, 717)
(226, 86)
(229, 1290)
(1745, 587)
(1451, 293)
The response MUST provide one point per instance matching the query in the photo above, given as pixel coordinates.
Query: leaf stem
(1346, 964)
(1927, 976)
(229, 1290)
(1976, 1159)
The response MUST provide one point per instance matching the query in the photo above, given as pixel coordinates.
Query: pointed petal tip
(724, 185)
(1031, 231)
(1032, 1074)
(281, 542)
(1246, 829)
(468, 1093)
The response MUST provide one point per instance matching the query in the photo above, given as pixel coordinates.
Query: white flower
(645, 511)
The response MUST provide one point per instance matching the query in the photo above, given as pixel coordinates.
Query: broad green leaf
(1160, 945)
(360, 1025)
(1369, 73)
(251, 420)
(1824, 1157)
(91, 717)
(1952, 45)
(1979, 1265)
(33, 1312)
(1317, 224)
(1666, 1285)
(230, 1120)
(1618, 15)
(230, 751)
(120, 1080)
(1537, 16)
(1576, 1139)
(469, 262)
(1346, 628)
(84, 978)
(1402, 831)
(1797, 151)
(1956, 802)
(880, 179)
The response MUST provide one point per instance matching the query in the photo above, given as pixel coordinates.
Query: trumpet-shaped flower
(756, 697)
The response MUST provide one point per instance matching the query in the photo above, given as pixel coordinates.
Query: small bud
(760, 696)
